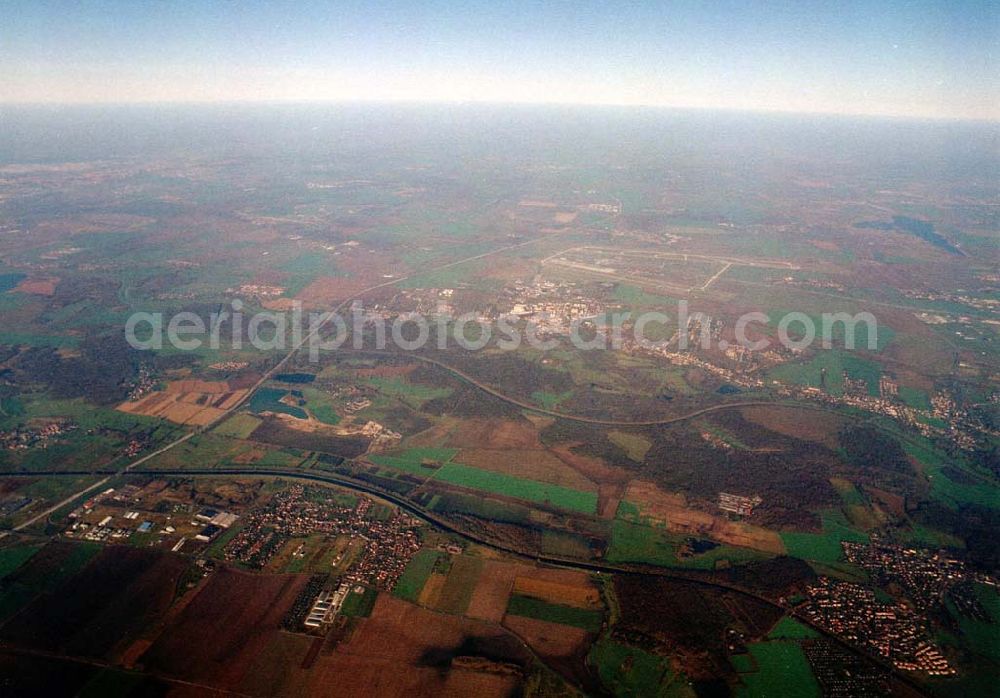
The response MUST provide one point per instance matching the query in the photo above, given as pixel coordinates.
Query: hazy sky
(898, 57)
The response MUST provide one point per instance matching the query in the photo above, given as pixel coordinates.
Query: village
(893, 631)
(387, 539)
(897, 631)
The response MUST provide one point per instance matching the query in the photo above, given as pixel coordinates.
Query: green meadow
(781, 670)
(530, 490)
(529, 607)
(825, 546)
(630, 671)
(412, 581)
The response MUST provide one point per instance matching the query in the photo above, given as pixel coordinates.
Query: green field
(825, 546)
(13, 557)
(407, 392)
(412, 581)
(849, 494)
(530, 490)
(914, 397)
(360, 605)
(630, 671)
(563, 544)
(320, 405)
(444, 278)
(836, 362)
(634, 541)
(790, 629)
(211, 450)
(460, 584)
(9, 280)
(239, 426)
(946, 490)
(482, 507)
(730, 554)
(529, 607)
(550, 401)
(635, 297)
(981, 637)
(782, 670)
(304, 268)
(413, 460)
(927, 536)
(635, 445)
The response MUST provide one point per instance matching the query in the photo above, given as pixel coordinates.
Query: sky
(911, 58)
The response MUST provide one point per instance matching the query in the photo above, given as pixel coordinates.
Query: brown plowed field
(548, 639)
(220, 635)
(671, 509)
(538, 465)
(498, 579)
(406, 650)
(96, 612)
(558, 593)
(187, 402)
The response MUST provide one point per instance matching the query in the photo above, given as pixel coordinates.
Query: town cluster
(899, 632)
(893, 631)
(28, 436)
(926, 576)
(389, 542)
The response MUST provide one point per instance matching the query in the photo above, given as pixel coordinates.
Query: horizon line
(501, 103)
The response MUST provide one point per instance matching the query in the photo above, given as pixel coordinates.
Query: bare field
(407, 650)
(495, 434)
(97, 612)
(384, 677)
(39, 287)
(329, 290)
(799, 424)
(223, 631)
(529, 464)
(430, 595)
(558, 592)
(194, 402)
(672, 510)
(499, 579)
(548, 639)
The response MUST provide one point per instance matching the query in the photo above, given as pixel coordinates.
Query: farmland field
(43, 572)
(201, 644)
(825, 546)
(532, 491)
(13, 557)
(530, 607)
(630, 671)
(567, 509)
(415, 575)
(460, 584)
(781, 670)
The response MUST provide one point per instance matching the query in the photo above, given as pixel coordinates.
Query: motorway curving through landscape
(132, 468)
(591, 420)
(693, 577)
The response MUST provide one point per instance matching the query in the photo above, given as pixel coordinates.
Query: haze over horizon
(926, 59)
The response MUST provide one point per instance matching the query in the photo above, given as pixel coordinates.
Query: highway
(699, 578)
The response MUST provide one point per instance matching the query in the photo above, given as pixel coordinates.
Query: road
(588, 420)
(693, 577)
(314, 332)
